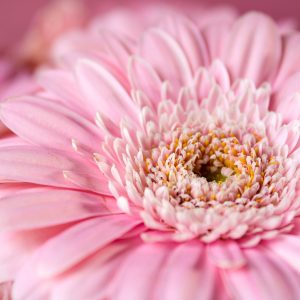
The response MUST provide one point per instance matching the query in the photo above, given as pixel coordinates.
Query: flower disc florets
(206, 168)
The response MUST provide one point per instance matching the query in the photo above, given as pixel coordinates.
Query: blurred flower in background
(50, 22)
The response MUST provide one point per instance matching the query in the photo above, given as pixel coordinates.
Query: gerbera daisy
(158, 166)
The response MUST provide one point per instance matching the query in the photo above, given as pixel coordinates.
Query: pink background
(15, 15)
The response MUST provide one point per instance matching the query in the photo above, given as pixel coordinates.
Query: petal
(12, 140)
(166, 56)
(203, 84)
(115, 48)
(287, 247)
(265, 278)
(287, 90)
(16, 247)
(290, 109)
(186, 264)
(104, 92)
(189, 38)
(97, 273)
(10, 188)
(253, 48)
(97, 184)
(62, 84)
(220, 74)
(226, 255)
(87, 237)
(49, 124)
(35, 165)
(216, 36)
(144, 78)
(290, 58)
(45, 207)
(137, 275)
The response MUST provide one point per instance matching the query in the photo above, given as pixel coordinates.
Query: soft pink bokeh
(15, 15)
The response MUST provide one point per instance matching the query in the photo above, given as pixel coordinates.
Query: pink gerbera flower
(158, 166)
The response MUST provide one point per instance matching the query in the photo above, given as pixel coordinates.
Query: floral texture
(161, 164)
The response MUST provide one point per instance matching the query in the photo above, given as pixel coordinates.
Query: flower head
(158, 165)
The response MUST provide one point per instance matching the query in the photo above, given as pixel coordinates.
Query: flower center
(211, 173)
(206, 168)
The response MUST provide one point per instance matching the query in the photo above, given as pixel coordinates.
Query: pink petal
(138, 274)
(290, 58)
(287, 247)
(253, 48)
(48, 207)
(87, 237)
(10, 188)
(16, 247)
(144, 78)
(166, 56)
(290, 108)
(220, 74)
(265, 278)
(189, 38)
(226, 255)
(196, 279)
(104, 92)
(287, 90)
(115, 47)
(216, 35)
(97, 184)
(62, 84)
(203, 84)
(35, 165)
(49, 124)
(290, 279)
(100, 270)
(12, 140)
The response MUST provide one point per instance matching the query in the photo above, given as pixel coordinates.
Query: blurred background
(16, 15)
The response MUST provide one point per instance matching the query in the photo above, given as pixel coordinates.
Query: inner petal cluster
(210, 168)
